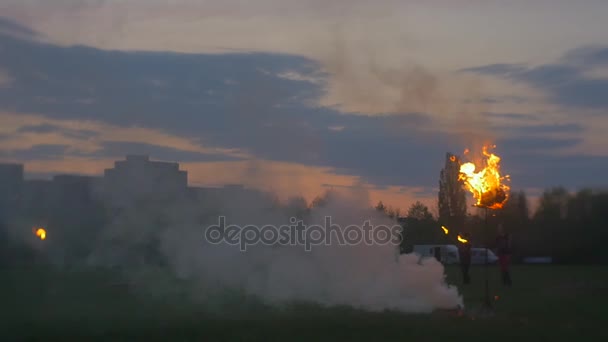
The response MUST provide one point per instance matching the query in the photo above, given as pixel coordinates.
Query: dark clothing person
(503, 247)
(464, 254)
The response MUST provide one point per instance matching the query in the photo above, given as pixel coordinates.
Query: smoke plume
(362, 276)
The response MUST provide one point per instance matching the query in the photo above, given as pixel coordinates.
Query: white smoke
(362, 276)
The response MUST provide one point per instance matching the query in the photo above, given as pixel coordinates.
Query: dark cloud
(120, 149)
(114, 150)
(239, 101)
(590, 56)
(542, 170)
(10, 27)
(497, 69)
(501, 99)
(49, 128)
(39, 152)
(513, 116)
(42, 128)
(565, 80)
(584, 93)
(538, 145)
(555, 129)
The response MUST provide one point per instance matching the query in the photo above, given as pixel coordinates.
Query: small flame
(41, 233)
(462, 240)
(486, 185)
(445, 230)
(453, 158)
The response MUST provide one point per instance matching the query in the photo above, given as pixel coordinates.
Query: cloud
(117, 150)
(180, 106)
(589, 56)
(262, 113)
(532, 171)
(10, 27)
(565, 80)
(527, 145)
(37, 152)
(113, 150)
(514, 116)
(5, 79)
(497, 69)
(49, 128)
(451, 34)
(550, 129)
(23, 131)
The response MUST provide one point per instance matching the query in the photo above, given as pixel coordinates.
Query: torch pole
(488, 302)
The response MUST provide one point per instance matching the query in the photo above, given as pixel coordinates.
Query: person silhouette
(464, 254)
(503, 247)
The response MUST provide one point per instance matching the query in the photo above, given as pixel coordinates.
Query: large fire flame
(41, 233)
(486, 185)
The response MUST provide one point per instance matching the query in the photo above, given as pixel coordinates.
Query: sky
(300, 96)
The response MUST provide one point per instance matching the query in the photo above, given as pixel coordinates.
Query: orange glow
(486, 185)
(445, 230)
(462, 240)
(453, 158)
(41, 233)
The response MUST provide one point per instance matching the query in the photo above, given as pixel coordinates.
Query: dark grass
(545, 303)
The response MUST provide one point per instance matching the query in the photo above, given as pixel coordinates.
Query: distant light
(41, 233)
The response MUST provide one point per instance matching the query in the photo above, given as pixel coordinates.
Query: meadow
(545, 303)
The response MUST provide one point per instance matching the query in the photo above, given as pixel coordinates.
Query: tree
(452, 201)
(323, 200)
(553, 204)
(522, 206)
(420, 212)
(297, 207)
(380, 207)
(515, 211)
(420, 227)
(514, 217)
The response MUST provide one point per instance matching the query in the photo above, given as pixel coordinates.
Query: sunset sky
(297, 95)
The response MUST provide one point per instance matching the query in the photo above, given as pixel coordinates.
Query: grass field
(545, 303)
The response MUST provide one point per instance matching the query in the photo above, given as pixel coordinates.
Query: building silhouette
(138, 177)
(11, 186)
(77, 210)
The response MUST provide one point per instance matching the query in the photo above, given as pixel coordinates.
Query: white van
(448, 254)
(478, 256)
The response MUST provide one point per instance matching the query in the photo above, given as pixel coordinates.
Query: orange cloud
(82, 166)
(16, 140)
(284, 179)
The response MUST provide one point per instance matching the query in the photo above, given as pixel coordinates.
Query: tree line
(569, 227)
